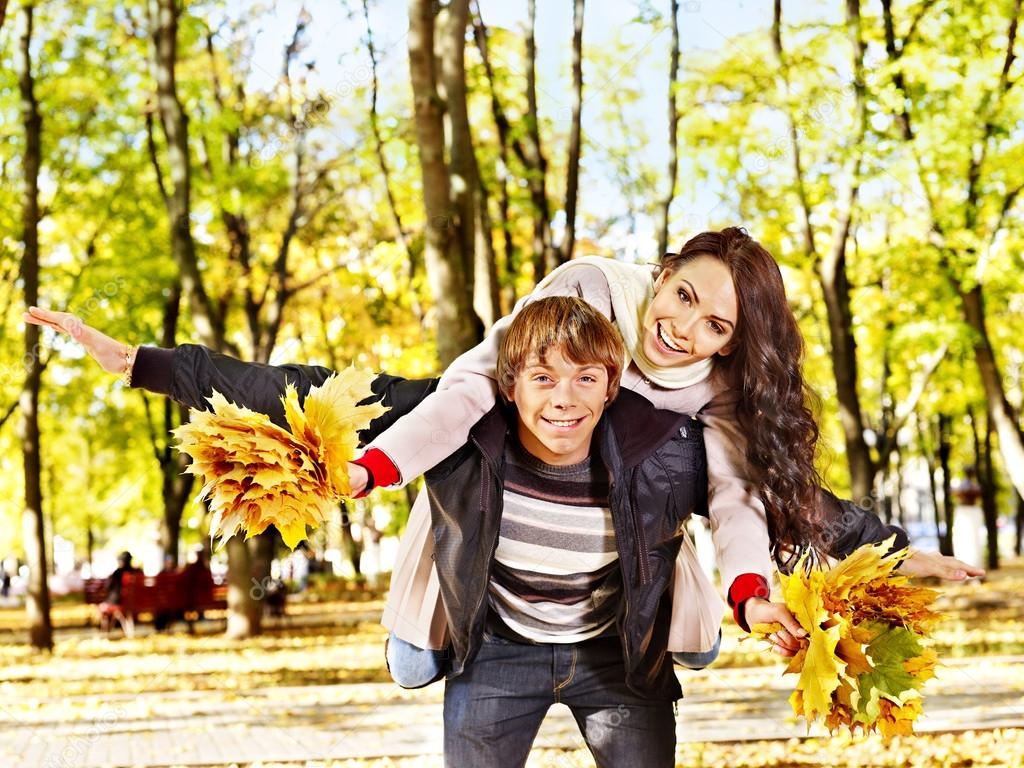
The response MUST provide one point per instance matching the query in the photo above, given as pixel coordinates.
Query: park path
(380, 720)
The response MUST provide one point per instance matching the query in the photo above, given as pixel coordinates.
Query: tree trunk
(832, 268)
(353, 548)
(511, 253)
(673, 134)
(897, 496)
(470, 198)
(163, 22)
(462, 170)
(1019, 527)
(1011, 442)
(807, 228)
(457, 327)
(37, 601)
(537, 166)
(176, 482)
(836, 288)
(244, 598)
(946, 543)
(245, 592)
(572, 176)
(923, 431)
(989, 491)
(486, 293)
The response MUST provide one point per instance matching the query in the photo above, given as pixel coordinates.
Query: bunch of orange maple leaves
(863, 662)
(257, 474)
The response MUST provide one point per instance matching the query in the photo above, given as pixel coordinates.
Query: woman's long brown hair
(765, 368)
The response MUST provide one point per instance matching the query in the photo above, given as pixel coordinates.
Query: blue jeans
(411, 666)
(698, 660)
(493, 710)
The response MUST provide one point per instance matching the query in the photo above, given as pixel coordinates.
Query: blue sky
(335, 43)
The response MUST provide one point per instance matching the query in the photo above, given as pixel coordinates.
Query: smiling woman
(693, 313)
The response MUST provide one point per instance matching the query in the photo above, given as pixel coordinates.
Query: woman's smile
(668, 345)
(693, 314)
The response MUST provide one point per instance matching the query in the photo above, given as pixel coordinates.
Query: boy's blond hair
(567, 323)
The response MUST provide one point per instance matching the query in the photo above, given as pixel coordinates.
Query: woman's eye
(716, 328)
(684, 296)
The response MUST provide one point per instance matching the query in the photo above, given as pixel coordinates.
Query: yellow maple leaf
(256, 474)
(898, 719)
(802, 591)
(922, 667)
(332, 411)
(819, 676)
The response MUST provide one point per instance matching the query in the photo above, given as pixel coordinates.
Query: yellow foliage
(257, 474)
(861, 664)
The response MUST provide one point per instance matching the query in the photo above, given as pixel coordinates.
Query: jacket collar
(631, 427)
(639, 428)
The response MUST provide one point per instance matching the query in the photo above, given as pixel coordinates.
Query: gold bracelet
(128, 364)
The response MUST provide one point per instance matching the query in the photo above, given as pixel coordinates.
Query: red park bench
(175, 596)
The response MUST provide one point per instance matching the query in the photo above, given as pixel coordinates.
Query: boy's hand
(786, 641)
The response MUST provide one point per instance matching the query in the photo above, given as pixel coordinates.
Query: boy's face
(559, 404)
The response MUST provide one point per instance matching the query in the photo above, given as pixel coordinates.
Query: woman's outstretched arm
(849, 526)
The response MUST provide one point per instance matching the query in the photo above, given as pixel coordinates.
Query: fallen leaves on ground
(1003, 748)
(257, 474)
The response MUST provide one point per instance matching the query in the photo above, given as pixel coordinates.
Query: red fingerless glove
(745, 586)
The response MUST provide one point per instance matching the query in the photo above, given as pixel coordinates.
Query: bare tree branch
(9, 412)
(378, 140)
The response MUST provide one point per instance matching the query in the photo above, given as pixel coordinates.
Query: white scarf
(631, 287)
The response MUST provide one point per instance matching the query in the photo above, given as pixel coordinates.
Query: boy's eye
(588, 379)
(542, 378)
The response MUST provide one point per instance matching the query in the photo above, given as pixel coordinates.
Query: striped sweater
(556, 576)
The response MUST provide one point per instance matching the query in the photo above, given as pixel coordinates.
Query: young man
(556, 528)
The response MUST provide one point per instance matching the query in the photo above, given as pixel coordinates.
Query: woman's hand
(933, 564)
(108, 352)
(358, 477)
(785, 642)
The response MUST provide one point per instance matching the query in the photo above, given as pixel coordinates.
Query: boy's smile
(559, 403)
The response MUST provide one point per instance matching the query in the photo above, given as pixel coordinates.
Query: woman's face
(693, 315)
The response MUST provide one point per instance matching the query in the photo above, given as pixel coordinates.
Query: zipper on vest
(623, 631)
(641, 539)
(485, 468)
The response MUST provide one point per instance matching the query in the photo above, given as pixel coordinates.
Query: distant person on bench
(115, 580)
(198, 582)
(112, 603)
